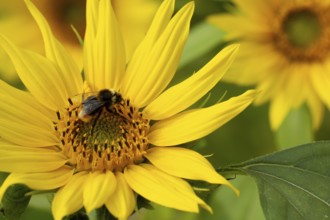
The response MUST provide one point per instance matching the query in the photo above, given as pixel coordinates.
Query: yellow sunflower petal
(227, 22)
(98, 188)
(55, 51)
(185, 163)
(194, 124)
(22, 111)
(104, 52)
(278, 110)
(250, 8)
(91, 27)
(110, 48)
(39, 181)
(69, 199)
(295, 88)
(248, 26)
(254, 71)
(159, 23)
(122, 202)
(321, 83)
(25, 134)
(161, 188)
(316, 107)
(169, 179)
(38, 74)
(134, 17)
(147, 76)
(183, 95)
(284, 98)
(270, 86)
(24, 107)
(25, 159)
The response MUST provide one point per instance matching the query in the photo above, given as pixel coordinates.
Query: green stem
(295, 130)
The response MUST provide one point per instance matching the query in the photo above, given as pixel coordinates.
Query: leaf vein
(292, 184)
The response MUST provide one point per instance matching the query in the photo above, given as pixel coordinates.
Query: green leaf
(293, 183)
(14, 201)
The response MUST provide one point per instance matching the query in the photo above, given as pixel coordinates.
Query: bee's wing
(90, 105)
(89, 99)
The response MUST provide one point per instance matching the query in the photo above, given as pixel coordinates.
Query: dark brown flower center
(110, 140)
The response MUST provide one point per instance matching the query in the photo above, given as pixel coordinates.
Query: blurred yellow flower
(129, 143)
(13, 14)
(285, 52)
(134, 17)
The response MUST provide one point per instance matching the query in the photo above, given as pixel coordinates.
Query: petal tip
(252, 94)
(235, 47)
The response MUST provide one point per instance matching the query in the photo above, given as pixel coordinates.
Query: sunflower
(285, 52)
(121, 137)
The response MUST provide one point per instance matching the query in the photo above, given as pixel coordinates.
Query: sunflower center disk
(303, 34)
(110, 140)
(302, 28)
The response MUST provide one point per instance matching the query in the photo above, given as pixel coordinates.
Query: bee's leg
(109, 108)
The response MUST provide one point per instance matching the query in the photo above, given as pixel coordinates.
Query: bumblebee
(94, 104)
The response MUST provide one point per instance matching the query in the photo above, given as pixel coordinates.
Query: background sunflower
(285, 54)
